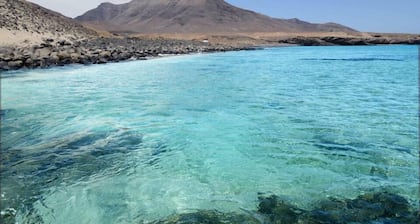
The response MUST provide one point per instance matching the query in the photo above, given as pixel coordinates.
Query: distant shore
(52, 52)
(99, 50)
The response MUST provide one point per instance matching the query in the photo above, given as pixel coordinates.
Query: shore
(300, 39)
(50, 52)
(99, 51)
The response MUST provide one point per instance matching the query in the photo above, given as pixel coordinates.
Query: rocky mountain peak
(192, 16)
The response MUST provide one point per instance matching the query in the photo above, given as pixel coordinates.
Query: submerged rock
(209, 217)
(382, 207)
(8, 215)
(279, 211)
(377, 207)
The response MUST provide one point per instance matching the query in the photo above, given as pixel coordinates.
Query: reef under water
(370, 208)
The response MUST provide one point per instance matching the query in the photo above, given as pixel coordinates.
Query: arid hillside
(22, 21)
(193, 16)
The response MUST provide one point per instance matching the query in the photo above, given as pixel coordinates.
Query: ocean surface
(137, 141)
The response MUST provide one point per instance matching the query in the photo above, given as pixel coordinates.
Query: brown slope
(193, 16)
(25, 21)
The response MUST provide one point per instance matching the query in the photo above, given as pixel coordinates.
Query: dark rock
(63, 55)
(415, 41)
(7, 58)
(15, 64)
(105, 54)
(378, 41)
(393, 205)
(4, 65)
(54, 57)
(75, 57)
(64, 43)
(278, 211)
(379, 207)
(48, 40)
(396, 41)
(306, 41)
(53, 60)
(337, 40)
(85, 61)
(209, 217)
(357, 41)
(8, 215)
(29, 62)
(43, 45)
(367, 208)
(102, 61)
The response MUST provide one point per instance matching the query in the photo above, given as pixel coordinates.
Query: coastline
(52, 52)
(60, 52)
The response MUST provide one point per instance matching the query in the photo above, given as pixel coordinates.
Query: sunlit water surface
(137, 141)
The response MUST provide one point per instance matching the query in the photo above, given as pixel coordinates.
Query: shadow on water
(331, 145)
(28, 172)
(325, 143)
(157, 151)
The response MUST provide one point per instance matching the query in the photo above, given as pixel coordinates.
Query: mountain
(193, 16)
(22, 21)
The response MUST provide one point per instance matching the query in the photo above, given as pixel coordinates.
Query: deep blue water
(137, 141)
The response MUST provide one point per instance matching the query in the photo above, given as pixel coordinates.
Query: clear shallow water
(137, 141)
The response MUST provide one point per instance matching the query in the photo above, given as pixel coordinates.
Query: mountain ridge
(193, 16)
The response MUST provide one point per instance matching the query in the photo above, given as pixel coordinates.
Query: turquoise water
(137, 141)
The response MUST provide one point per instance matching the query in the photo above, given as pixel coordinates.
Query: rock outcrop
(349, 41)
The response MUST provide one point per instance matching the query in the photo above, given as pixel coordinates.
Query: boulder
(29, 63)
(102, 61)
(4, 65)
(75, 57)
(41, 53)
(105, 54)
(63, 55)
(15, 64)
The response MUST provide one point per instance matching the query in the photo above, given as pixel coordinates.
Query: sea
(138, 141)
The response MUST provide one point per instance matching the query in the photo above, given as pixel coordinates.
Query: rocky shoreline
(103, 50)
(348, 41)
(52, 52)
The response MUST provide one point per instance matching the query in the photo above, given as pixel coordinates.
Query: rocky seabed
(379, 207)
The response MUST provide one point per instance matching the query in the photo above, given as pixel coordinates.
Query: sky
(388, 16)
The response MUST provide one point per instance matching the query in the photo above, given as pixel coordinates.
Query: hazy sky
(364, 15)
